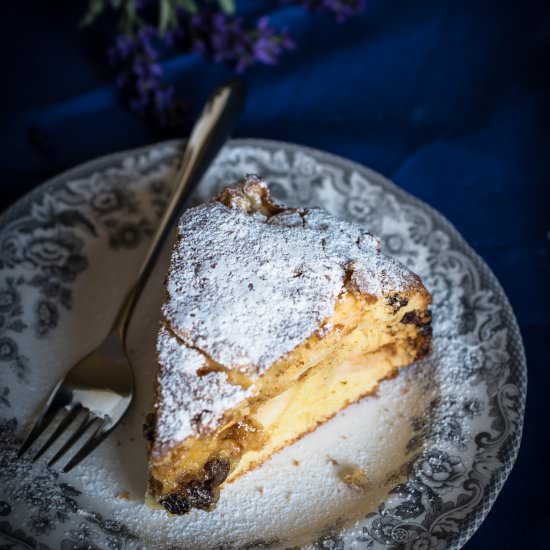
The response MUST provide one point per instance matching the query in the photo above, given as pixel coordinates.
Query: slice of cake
(274, 320)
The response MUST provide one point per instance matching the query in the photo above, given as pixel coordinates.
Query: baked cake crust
(254, 289)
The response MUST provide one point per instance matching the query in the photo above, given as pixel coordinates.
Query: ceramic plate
(435, 444)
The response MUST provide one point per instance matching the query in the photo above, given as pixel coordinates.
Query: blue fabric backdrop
(447, 98)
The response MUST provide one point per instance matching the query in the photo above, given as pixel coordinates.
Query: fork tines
(72, 417)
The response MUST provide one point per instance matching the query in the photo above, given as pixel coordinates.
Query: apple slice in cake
(274, 320)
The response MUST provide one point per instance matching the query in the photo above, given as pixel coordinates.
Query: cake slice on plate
(274, 320)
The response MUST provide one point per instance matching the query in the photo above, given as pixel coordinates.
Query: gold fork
(96, 393)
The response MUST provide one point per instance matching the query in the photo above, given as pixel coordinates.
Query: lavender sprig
(206, 26)
(139, 76)
(227, 39)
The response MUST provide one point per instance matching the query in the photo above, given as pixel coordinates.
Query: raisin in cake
(274, 320)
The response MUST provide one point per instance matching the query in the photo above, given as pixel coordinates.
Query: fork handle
(211, 130)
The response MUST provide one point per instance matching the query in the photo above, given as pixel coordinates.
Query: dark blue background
(447, 98)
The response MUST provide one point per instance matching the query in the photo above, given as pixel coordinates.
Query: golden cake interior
(365, 341)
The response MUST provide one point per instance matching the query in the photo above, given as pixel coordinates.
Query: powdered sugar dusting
(188, 403)
(247, 289)
(377, 275)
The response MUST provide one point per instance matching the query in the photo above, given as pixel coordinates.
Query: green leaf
(189, 6)
(95, 7)
(130, 11)
(228, 6)
(166, 16)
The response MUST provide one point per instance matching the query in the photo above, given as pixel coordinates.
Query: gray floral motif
(53, 502)
(427, 541)
(105, 192)
(46, 316)
(83, 544)
(368, 204)
(439, 470)
(17, 539)
(127, 234)
(477, 307)
(444, 422)
(45, 238)
(113, 534)
(422, 517)
(117, 535)
(58, 254)
(394, 244)
(305, 178)
(106, 200)
(391, 531)
(9, 298)
(9, 250)
(11, 323)
(48, 502)
(98, 535)
(9, 355)
(486, 362)
(330, 539)
(41, 525)
(8, 349)
(440, 286)
(422, 231)
(50, 238)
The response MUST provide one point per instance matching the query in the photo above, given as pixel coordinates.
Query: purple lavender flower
(140, 76)
(226, 39)
(213, 32)
(122, 48)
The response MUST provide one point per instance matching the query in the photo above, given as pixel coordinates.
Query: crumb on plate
(354, 477)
